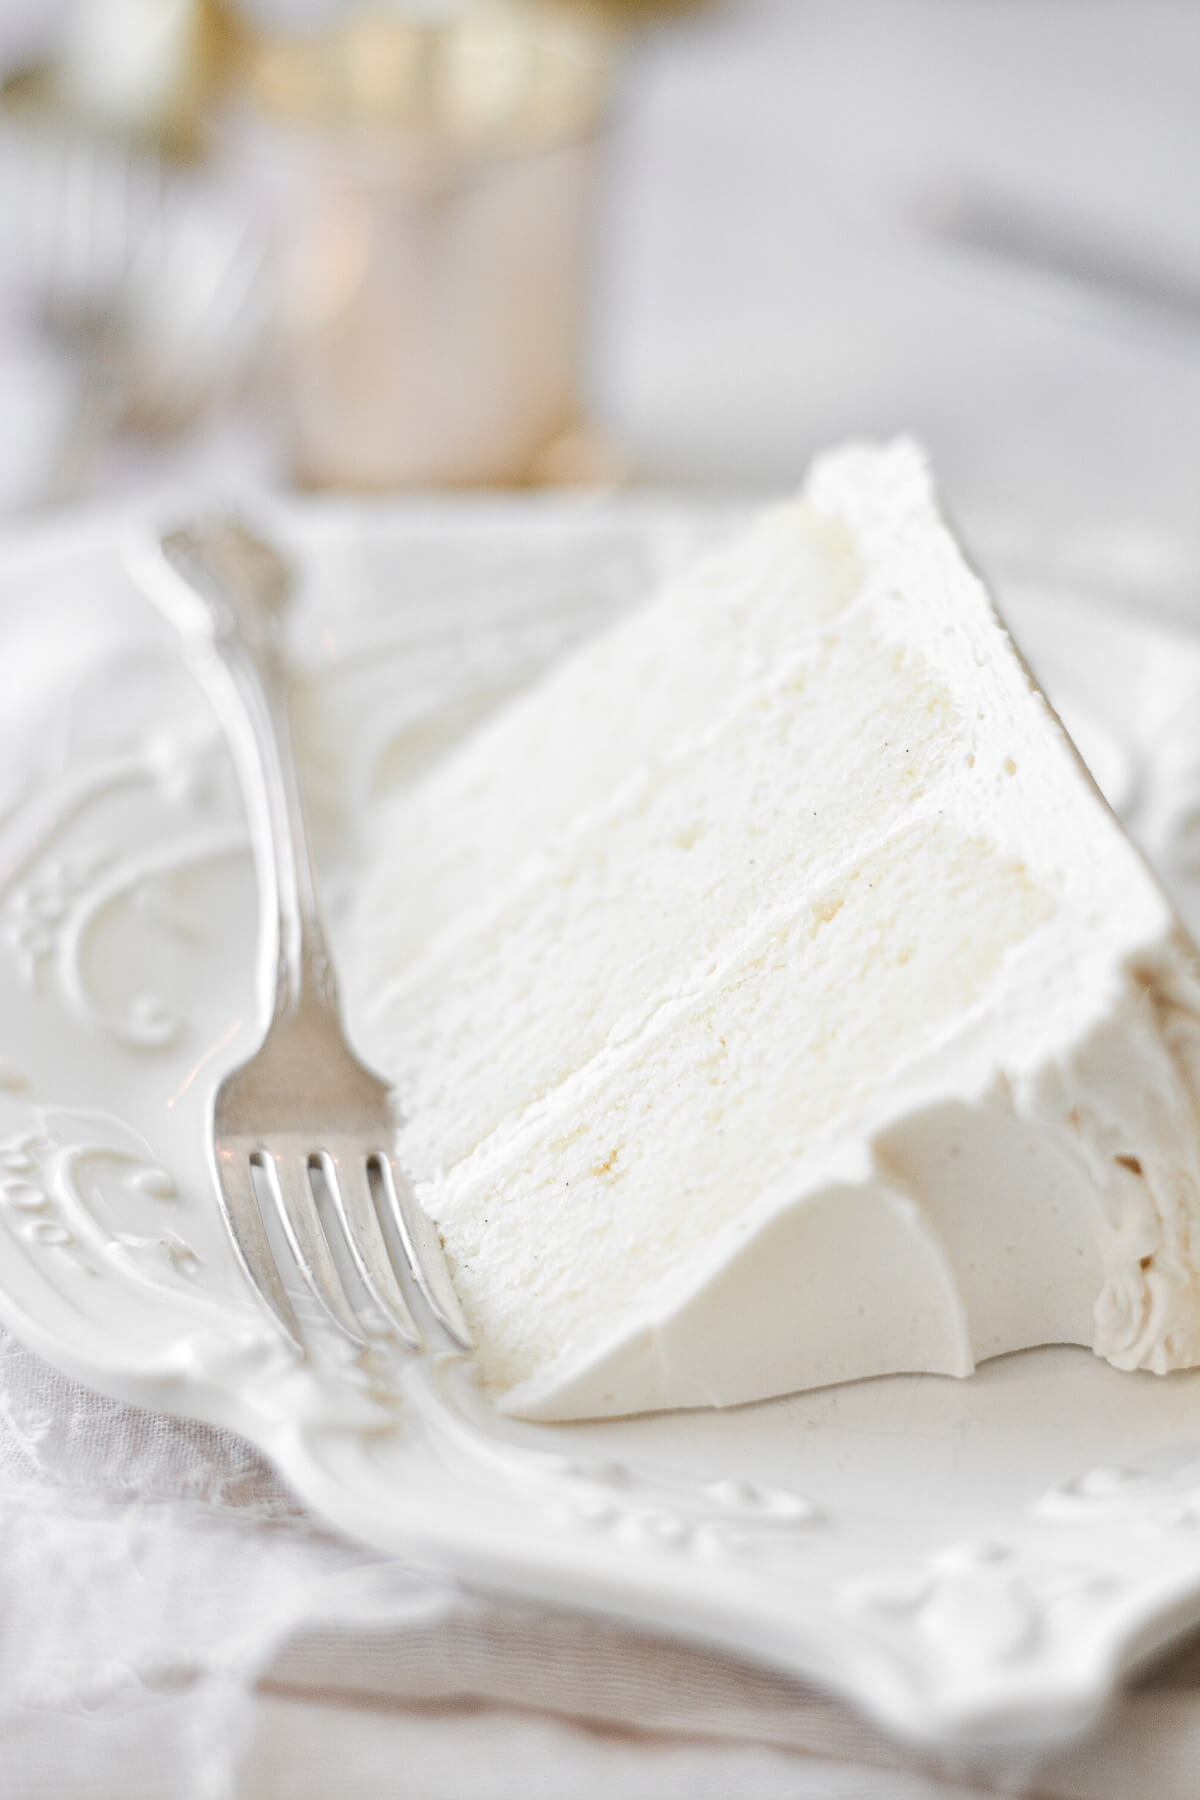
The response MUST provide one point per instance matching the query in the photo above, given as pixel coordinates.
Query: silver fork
(302, 1134)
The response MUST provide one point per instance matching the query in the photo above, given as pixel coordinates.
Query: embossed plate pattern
(972, 1562)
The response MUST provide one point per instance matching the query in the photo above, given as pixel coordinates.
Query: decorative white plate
(972, 1562)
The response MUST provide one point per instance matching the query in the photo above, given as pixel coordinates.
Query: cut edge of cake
(868, 1253)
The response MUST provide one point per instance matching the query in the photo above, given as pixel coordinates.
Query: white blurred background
(765, 225)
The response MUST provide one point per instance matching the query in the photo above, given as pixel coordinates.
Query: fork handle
(295, 958)
(228, 594)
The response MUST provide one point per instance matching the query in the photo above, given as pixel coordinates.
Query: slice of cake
(773, 1000)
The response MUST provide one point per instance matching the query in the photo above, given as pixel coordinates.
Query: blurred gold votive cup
(428, 182)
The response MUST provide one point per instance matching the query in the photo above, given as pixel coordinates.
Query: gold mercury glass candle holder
(428, 182)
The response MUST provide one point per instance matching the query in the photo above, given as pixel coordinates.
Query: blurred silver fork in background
(303, 1132)
(153, 281)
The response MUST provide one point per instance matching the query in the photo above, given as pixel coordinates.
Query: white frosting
(774, 1000)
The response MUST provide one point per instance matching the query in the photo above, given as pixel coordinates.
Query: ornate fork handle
(228, 593)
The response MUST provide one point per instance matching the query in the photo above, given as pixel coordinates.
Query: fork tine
(351, 1189)
(423, 1248)
(239, 1203)
(291, 1186)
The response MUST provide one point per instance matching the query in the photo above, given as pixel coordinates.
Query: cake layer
(555, 753)
(659, 1147)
